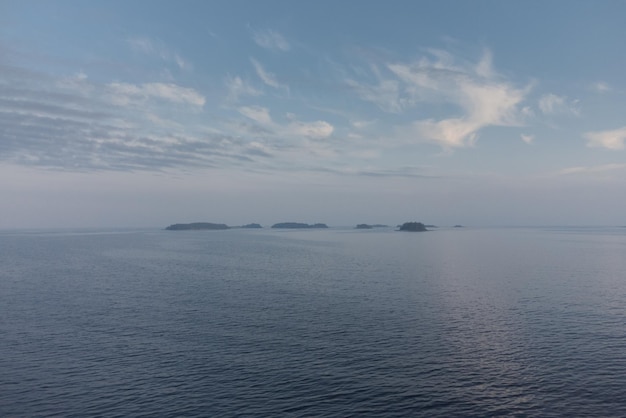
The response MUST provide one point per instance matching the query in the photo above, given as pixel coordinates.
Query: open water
(339, 322)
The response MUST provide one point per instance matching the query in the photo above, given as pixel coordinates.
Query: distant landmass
(413, 227)
(251, 226)
(368, 226)
(459, 226)
(297, 225)
(432, 226)
(196, 226)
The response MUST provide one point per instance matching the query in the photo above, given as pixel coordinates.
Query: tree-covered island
(413, 227)
(197, 226)
(251, 226)
(298, 225)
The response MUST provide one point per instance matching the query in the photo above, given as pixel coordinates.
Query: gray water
(453, 322)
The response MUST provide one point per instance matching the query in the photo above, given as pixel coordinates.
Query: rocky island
(413, 227)
(297, 225)
(197, 226)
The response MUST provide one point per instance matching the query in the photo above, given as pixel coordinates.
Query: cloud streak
(592, 169)
(294, 128)
(267, 77)
(610, 139)
(155, 48)
(238, 88)
(47, 122)
(74, 124)
(125, 93)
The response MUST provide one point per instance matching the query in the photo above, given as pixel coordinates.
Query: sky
(147, 113)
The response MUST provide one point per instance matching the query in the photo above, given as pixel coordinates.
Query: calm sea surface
(453, 322)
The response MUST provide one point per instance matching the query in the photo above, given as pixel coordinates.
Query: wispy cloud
(257, 113)
(483, 97)
(317, 130)
(125, 93)
(480, 96)
(271, 40)
(385, 94)
(527, 138)
(156, 48)
(592, 169)
(267, 77)
(237, 87)
(610, 139)
(294, 128)
(551, 104)
(59, 124)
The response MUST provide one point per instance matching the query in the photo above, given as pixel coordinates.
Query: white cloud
(295, 128)
(592, 169)
(448, 132)
(552, 104)
(611, 139)
(174, 93)
(267, 77)
(316, 130)
(125, 93)
(238, 88)
(256, 113)
(528, 138)
(483, 97)
(270, 39)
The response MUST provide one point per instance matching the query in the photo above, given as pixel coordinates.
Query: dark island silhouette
(251, 226)
(194, 226)
(413, 227)
(298, 225)
(369, 226)
(197, 226)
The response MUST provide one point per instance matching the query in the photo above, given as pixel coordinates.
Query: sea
(454, 322)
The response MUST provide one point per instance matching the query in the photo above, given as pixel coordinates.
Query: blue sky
(149, 113)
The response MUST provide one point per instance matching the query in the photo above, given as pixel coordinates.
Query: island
(413, 227)
(196, 226)
(251, 226)
(458, 226)
(298, 225)
(364, 226)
